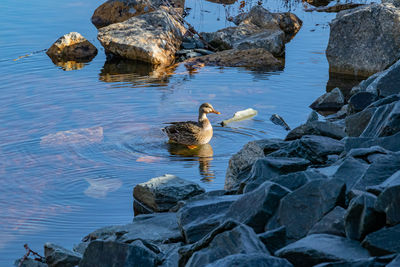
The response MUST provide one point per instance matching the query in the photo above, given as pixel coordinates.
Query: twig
(28, 252)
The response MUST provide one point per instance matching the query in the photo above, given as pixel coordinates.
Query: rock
(289, 23)
(241, 162)
(362, 86)
(389, 200)
(72, 47)
(369, 262)
(391, 143)
(379, 171)
(315, 199)
(171, 255)
(386, 83)
(356, 123)
(83, 136)
(335, 8)
(311, 147)
(157, 228)
(110, 253)
(57, 256)
(361, 100)
(356, 44)
(28, 262)
(331, 101)
(385, 101)
(152, 37)
(350, 171)
(364, 153)
(318, 2)
(332, 223)
(295, 180)
(383, 242)
(199, 217)
(114, 11)
(361, 218)
(274, 239)
(318, 248)
(393, 180)
(395, 262)
(204, 196)
(341, 114)
(269, 167)
(250, 260)
(162, 193)
(230, 238)
(312, 117)
(257, 207)
(257, 58)
(322, 128)
(384, 122)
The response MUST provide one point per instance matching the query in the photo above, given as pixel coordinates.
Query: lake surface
(58, 186)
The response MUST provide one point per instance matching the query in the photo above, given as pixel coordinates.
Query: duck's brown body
(192, 133)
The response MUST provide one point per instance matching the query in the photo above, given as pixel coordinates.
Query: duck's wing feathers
(182, 128)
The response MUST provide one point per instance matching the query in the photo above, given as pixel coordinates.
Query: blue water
(59, 189)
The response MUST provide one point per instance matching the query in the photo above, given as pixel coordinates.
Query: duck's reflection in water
(202, 153)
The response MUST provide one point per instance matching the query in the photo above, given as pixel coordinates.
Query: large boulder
(255, 58)
(323, 128)
(101, 253)
(250, 260)
(314, 199)
(356, 123)
(229, 238)
(199, 217)
(383, 242)
(364, 40)
(384, 122)
(257, 207)
(57, 256)
(240, 163)
(152, 37)
(162, 193)
(330, 101)
(386, 83)
(332, 223)
(72, 47)
(318, 248)
(361, 218)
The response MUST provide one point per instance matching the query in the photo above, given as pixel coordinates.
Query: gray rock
(295, 180)
(323, 128)
(362, 86)
(315, 199)
(318, 248)
(350, 171)
(361, 100)
(391, 143)
(331, 101)
(110, 253)
(188, 45)
(269, 167)
(170, 254)
(162, 193)
(199, 217)
(274, 239)
(311, 147)
(356, 123)
(369, 262)
(356, 45)
(229, 238)
(361, 218)
(57, 256)
(381, 169)
(383, 242)
(250, 260)
(340, 115)
(204, 51)
(384, 122)
(312, 117)
(384, 101)
(364, 153)
(389, 200)
(157, 227)
(28, 262)
(257, 207)
(332, 223)
(240, 163)
(395, 262)
(204, 196)
(387, 82)
(80, 248)
(152, 37)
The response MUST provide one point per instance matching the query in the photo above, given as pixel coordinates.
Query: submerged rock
(83, 136)
(364, 40)
(152, 37)
(162, 193)
(72, 47)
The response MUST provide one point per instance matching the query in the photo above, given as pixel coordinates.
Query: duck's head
(207, 108)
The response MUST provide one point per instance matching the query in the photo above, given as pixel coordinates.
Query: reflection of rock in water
(344, 82)
(69, 65)
(225, 2)
(203, 154)
(123, 70)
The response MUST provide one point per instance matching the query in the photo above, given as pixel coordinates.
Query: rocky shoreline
(326, 195)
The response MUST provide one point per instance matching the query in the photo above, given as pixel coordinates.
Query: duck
(191, 133)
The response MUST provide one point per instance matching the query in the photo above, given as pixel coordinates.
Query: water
(57, 186)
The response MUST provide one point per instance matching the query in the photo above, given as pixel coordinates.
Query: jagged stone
(332, 223)
(356, 123)
(384, 241)
(250, 260)
(331, 101)
(274, 239)
(322, 128)
(57, 256)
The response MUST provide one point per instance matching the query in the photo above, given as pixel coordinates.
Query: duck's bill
(216, 112)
